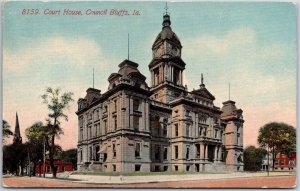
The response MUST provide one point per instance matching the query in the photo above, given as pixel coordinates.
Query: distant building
(282, 162)
(17, 135)
(133, 127)
(58, 163)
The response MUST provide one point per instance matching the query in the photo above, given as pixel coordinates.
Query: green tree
(253, 158)
(14, 155)
(70, 156)
(278, 137)
(36, 137)
(57, 103)
(6, 132)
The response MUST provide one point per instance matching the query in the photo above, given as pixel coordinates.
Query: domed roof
(166, 33)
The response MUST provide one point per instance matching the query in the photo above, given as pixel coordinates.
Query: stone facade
(133, 127)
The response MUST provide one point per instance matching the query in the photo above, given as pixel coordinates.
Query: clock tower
(166, 66)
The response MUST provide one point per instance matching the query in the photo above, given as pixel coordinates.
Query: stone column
(202, 151)
(130, 112)
(126, 113)
(143, 110)
(216, 154)
(171, 73)
(220, 153)
(147, 116)
(206, 152)
(165, 71)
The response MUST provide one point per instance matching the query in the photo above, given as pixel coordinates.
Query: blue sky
(250, 45)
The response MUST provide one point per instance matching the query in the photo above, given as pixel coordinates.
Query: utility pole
(268, 161)
(44, 167)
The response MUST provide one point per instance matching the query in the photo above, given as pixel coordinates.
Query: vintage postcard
(154, 94)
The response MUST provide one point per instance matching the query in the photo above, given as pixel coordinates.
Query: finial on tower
(166, 21)
(93, 78)
(166, 7)
(229, 91)
(202, 81)
(128, 47)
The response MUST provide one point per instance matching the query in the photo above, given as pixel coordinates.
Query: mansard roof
(203, 92)
(129, 69)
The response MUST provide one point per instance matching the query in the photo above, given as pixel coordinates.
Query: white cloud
(262, 75)
(54, 50)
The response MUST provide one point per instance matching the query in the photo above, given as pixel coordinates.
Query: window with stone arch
(136, 105)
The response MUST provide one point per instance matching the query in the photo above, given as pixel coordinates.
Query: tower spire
(93, 78)
(128, 47)
(202, 81)
(166, 7)
(17, 135)
(166, 17)
(229, 91)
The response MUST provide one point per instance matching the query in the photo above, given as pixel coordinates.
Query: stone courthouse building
(158, 127)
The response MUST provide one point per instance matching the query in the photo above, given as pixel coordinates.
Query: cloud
(262, 75)
(55, 62)
(54, 50)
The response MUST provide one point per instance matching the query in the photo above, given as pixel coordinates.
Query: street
(253, 182)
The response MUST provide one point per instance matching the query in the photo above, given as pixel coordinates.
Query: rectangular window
(116, 122)
(165, 153)
(176, 130)
(165, 130)
(90, 132)
(187, 130)
(81, 156)
(187, 112)
(81, 134)
(96, 133)
(221, 135)
(157, 152)
(136, 122)
(137, 150)
(116, 105)
(187, 153)
(114, 150)
(97, 153)
(199, 131)
(176, 168)
(188, 168)
(165, 168)
(176, 152)
(238, 139)
(216, 133)
(114, 167)
(197, 151)
(136, 105)
(105, 126)
(137, 168)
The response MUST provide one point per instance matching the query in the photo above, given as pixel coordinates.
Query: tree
(6, 132)
(36, 137)
(253, 158)
(70, 156)
(14, 155)
(279, 137)
(57, 103)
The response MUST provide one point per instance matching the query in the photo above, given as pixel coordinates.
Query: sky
(252, 46)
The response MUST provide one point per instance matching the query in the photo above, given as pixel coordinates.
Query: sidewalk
(167, 178)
